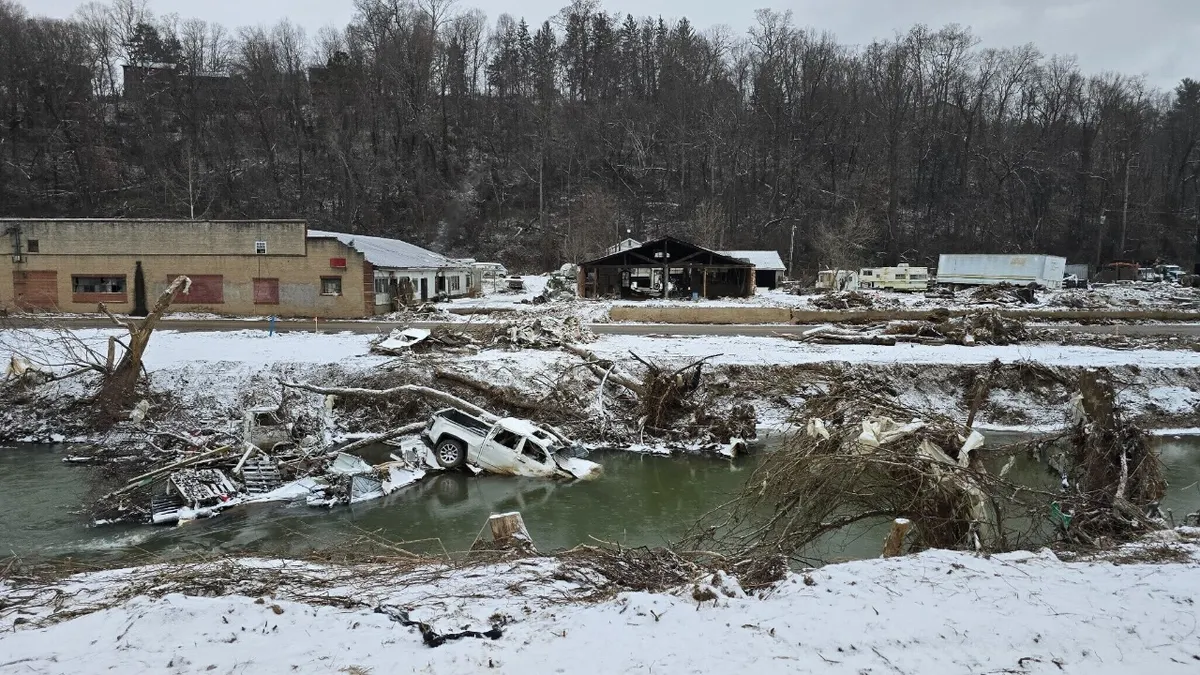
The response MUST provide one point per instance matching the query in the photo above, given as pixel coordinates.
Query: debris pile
(843, 300)
(422, 340)
(1077, 299)
(542, 332)
(987, 327)
(271, 460)
(1114, 479)
(560, 287)
(673, 405)
(1004, 294)
(861, 460)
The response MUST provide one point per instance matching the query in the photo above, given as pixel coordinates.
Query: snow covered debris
(938, 612)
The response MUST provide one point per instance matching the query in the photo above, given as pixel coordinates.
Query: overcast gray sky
(1156, 38)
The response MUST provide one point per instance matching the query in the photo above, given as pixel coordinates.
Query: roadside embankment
(722, 315)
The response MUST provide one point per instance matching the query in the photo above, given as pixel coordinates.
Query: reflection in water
(640, 500)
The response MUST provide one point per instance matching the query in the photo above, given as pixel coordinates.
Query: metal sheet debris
(400, 341)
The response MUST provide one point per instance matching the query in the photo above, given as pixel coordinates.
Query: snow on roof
(763, 260)
(389, 253)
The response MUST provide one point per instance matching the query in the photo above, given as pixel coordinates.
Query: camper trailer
(902, 277)
(837, 280)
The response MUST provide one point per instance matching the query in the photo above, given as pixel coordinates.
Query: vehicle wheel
(450, 453)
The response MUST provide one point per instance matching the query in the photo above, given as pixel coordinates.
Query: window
(866, 273)
(455, 283)
(331, 285)
(381, 285)
(260, 247)
(507, 438)
(115, 284)
(32, 245)
(534, 451)
(266, 291)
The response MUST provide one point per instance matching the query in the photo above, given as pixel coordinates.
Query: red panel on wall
(206, 289)
(35, 290)
(266, 291)
(337, 263)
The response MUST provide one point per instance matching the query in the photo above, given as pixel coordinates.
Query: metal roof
(389, 253)
(763, 260)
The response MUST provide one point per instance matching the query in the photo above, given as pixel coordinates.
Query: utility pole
(792, 254)
(1125, 206)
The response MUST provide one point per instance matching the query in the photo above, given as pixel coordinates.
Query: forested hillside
(537, 140)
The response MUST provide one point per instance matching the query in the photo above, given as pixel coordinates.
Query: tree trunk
(120, 383)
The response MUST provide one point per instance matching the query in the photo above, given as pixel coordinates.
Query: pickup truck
(508, 446)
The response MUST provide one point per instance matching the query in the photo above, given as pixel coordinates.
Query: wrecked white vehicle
(508, 446)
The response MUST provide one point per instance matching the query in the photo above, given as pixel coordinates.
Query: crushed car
(509, 445)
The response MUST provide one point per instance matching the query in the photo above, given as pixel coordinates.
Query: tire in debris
(450, 453)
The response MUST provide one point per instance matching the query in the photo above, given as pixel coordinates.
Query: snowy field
(169, 349)
(1123, 296)
(936, 612)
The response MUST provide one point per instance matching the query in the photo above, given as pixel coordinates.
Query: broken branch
(413, 389)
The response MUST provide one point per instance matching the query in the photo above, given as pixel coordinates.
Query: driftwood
(502, 395)
(413, 389)
(605, 368)
(379, 438)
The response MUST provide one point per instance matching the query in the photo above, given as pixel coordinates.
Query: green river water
(640, 500)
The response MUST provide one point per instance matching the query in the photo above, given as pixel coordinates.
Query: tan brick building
(256, 267)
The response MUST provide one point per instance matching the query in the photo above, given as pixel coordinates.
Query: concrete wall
(87, 236)
(192, 249)
(701, 314)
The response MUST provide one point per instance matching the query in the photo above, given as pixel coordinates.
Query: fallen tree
(864, 459)
(1115, 479)
(861, 461)
(119, 386)
(410, 389)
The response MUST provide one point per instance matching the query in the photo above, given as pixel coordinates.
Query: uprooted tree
(41, 354)
(863, 460)
(1115, 478)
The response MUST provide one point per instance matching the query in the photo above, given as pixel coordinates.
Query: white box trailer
(972, 269)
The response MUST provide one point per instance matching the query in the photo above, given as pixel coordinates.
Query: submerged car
(509, 445)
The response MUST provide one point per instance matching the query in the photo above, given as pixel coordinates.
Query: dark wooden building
(638, 273)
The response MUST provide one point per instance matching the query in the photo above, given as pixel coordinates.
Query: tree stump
(895, 539)
(508, 530)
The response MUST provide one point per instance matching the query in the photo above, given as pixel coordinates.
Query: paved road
(373, 327)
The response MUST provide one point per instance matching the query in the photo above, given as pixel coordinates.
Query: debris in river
(192, 494)
(1114, 479)
(864, 458)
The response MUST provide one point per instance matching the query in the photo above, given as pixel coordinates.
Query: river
(640, 500)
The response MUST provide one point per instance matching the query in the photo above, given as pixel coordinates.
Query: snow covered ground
(1123, 296)
(218, 374)
(172, 349)
(936, 612)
